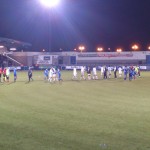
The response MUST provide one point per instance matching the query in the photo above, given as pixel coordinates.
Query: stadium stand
(7, 47)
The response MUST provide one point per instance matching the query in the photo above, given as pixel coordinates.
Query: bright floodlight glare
(50, 3)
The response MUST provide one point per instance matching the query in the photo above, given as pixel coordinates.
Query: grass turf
(75, 115)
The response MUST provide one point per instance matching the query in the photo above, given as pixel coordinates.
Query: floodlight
(119, 50)
(135, 47)
(50, 3)
(1, 46)
(13, 49)
(99, 49)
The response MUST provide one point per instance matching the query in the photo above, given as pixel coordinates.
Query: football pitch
(75, 115)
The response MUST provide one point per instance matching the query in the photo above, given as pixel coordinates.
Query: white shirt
(94, 70)
(51, 72)
(102, 69)
(7, 72)
(82, 69)
(74, 71)
(120, 70)
(109, 69)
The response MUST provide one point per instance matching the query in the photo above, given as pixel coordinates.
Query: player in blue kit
(130, 73)
(125, 73)
(15, 74)
(46, 74)
(59, 75)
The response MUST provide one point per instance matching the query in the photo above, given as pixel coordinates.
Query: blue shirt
(59, 74)
(125, 71)
(130, 72)
(15, 72)
(46, 72)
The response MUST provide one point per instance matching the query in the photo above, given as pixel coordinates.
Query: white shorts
(54, 75)
(74, 74)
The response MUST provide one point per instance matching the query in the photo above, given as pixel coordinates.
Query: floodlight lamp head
(50, 3)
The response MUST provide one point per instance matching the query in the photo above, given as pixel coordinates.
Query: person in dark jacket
(115, 72)
(105, 72)
(89, 73)
(30, 74)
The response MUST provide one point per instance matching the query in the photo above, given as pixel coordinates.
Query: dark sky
(110, 23)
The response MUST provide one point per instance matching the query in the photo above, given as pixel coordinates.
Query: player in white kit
(109, 72)
(120, 71)
(95, 73)
(50, 75)
(54, 74)
(102, 71)
(82, 73)
(74, 73)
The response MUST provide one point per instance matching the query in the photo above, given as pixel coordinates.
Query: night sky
(108, 23)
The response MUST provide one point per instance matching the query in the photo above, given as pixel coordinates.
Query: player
(30, 74)
(136, 70)
(46, 74)
(125, 70)
(115, 72)
(7, 74)
(139, 72)
(50, 75)
(102, 71)
(109, 72)
(95, 73)
(89, 73)
(105, 72)
(120, 71)
(82, 73)
(74, 73)
(130, 73)
(15, 74)
(133, 73)
(59, 75)
(54, 74)
(4, 74)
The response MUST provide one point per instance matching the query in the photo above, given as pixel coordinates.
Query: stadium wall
(84, 58)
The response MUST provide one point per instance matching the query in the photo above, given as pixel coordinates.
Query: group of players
(52, 75)
(90, 73)
(5, 73)
(86, 73)
(106, 72)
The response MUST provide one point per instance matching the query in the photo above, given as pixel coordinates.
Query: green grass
(75, 115)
